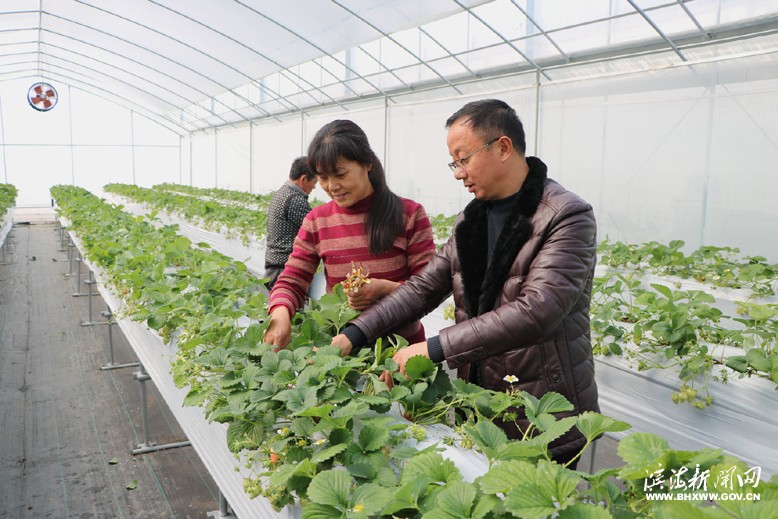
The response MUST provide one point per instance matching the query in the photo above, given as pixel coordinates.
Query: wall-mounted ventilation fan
(42, 97)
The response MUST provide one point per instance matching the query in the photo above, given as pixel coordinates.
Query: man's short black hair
(492, 118)
(300, 168)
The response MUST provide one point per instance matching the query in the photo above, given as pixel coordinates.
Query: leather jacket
(527, 313)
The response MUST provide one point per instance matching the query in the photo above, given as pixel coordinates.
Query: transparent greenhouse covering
(204, 63)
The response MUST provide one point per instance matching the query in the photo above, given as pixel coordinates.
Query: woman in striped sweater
(365, 223)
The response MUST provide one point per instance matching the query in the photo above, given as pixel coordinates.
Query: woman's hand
(370, 293)
(279, 333)
(342, 342)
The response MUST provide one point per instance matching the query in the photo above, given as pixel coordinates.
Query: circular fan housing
(42, 97)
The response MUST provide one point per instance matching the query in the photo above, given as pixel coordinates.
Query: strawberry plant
(7, 198)
(442, 227)
(232, 220)
(759, 339)
(316, 428)
(716, 266)
(667, 328)
(254, 201)
(611, 309)
(662, 328)
(422, 391)
(331, 311)
(260, 202)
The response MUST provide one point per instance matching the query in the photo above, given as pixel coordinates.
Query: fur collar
(482, 282)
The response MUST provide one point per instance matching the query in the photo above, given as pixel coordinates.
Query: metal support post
(147, 445)
(224, 511)
(64, 242)
(70, 259)
(89, 282)
(61, 238)
(4, 248)
(112, 364)
(78, 292)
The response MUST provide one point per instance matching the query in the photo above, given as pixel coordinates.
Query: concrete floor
(67, 428)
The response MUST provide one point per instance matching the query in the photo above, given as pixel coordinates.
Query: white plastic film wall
(84, 140)
(417, 142)
(203, 164)
(686, 153)
(677, 153)
(274, 146)
(232, 154)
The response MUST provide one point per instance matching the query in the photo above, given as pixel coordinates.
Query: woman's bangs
(325, 158)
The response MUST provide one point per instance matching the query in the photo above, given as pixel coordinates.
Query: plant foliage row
(232, 220)
(666, 328)
(656, 327)
(255, 201)
(714, 266)
(7, 198)
(442, 225)
(317, 427)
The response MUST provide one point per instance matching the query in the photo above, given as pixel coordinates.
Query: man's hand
(279, 333)
(369, 293)
(342, 342)
(402, 356)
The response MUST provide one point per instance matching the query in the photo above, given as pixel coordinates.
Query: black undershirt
(499, 211)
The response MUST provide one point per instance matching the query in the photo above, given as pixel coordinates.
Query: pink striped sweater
(337, 236)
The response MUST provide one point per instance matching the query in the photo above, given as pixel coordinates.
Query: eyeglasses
(460, 163)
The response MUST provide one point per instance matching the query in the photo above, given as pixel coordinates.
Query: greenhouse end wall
(84, 140)
(673, 153)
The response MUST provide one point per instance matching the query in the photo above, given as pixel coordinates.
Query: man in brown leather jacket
(520, 265)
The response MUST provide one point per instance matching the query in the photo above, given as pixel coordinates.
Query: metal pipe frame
(654, 26)
(70, 257)
(197, 118)
(403, 47)
(112, 364)
(5, 247)
(149, 446)
(150, 51)
(309, 42)
(224, 511)
(503, 38)
(196, 49)
(78, 292)
(90, 282)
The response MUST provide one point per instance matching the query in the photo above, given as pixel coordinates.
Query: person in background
(285, 214)
(520, 264)
(365, 225)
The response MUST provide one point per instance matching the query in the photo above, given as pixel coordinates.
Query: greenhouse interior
(461, 324)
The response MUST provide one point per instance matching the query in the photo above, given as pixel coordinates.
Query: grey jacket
(527, 313)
